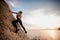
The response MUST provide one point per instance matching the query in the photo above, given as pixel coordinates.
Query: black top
(18, 18)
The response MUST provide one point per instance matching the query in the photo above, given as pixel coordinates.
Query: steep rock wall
(6, 27)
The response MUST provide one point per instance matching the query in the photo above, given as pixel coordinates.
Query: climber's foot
(16, 30)
(26, 32)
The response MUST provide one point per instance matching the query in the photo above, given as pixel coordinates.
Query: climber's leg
(22, 26)
(14, 24)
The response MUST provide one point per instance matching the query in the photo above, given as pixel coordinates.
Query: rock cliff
(6, 27)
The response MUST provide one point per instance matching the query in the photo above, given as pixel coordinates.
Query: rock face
(6, 27)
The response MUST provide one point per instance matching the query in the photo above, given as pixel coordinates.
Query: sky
(42, 13)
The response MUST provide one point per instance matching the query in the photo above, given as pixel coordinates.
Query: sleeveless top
(18, 19)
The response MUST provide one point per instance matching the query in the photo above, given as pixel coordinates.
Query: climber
(18, 16)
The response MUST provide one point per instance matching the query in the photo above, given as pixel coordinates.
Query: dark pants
(16, 21)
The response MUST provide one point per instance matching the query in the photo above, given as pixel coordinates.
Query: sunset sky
(42, 13)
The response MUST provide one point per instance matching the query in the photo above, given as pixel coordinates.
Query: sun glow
(52, 33)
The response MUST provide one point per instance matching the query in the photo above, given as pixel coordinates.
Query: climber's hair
(20, 12)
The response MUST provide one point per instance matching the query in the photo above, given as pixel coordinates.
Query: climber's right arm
(14, 12)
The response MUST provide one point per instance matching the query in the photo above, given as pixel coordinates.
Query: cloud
(43, 17)
(13, 3)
